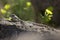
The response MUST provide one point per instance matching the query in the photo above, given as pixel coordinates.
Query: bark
(24, 25)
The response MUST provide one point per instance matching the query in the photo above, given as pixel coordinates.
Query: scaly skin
(27, 31)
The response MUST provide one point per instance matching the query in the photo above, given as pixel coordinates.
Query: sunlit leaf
(28, 4)
(48, 11)
(48, 14)
(7, 6)
(3, 11)
(25, 8)
(8, 18)
(49, 18)
(50, 8)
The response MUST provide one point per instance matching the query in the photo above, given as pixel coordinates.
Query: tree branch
(25, 25)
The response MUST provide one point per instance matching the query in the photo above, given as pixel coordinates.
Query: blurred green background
(23, 9)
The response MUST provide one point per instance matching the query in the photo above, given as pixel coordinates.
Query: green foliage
(48, 15)
(23, 9)
(28, 4)
(7, 6)
(5, 11)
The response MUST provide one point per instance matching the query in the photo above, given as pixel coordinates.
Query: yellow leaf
(8, 18)
(28, 4)
(49, 18)
(48, 11)
(3, 11)
(7, 6)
